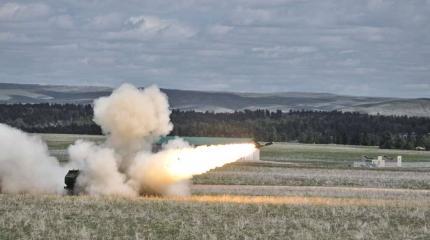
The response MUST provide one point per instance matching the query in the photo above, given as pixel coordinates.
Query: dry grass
(287, 204)
(300, 200)
(254, 175)
(422, 196)
(56, 217)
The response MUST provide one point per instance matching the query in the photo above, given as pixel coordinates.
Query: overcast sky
(354, 47)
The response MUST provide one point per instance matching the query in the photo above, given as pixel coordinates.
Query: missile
(258, 145)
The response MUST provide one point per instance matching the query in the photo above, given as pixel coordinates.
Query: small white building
(394, 163)
(379, 162)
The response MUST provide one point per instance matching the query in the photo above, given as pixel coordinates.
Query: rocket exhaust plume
(167, 172)
(132, 120)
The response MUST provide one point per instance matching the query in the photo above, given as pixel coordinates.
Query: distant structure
(379, 162)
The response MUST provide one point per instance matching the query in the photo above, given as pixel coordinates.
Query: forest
(397, 132)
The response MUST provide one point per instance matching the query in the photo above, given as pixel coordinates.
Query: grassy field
(420, 196)
(62, 141)
(310, 154)
(83, 217)
(299, 191)
(295, 152)
(255, 175)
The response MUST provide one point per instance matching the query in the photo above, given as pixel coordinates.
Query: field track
(300, 200)
(371, 194)
(308, 188)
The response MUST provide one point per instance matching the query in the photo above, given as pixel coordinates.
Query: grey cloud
(106, 22)
(219, 29)
(20, 12)
(370, 47)
(278, 51)
(151, 27)
(62, 21)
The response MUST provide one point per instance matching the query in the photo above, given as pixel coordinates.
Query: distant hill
(224, 101)
(34, 93)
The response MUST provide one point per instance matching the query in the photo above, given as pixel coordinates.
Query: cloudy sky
(354, 47)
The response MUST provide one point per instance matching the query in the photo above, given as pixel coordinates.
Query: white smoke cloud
(176, 143)
(25, 164)
(100, 175)
(132, 120)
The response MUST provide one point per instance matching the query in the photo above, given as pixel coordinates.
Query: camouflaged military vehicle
(70, 180)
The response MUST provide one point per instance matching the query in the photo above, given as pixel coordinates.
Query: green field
(330, 153)
(62, 141)
(299, 191)
(296, 176)
(315, 154)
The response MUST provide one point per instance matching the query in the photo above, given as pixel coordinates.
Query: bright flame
(166, 172)
(186, 162)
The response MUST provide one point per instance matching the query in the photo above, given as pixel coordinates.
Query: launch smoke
(132, 121)
(25, 164)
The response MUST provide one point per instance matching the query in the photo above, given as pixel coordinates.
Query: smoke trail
(25, 164)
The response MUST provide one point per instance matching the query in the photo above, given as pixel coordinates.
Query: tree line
(400, 132)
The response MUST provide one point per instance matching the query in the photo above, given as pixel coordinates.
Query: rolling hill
(224, 101)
